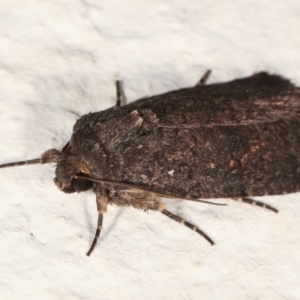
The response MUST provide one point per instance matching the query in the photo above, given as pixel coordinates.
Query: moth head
(67, 169)
(76, 185)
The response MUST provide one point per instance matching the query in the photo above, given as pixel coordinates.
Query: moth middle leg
(149, 201)
(187, 224)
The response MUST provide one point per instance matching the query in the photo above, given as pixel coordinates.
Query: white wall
(58, 60)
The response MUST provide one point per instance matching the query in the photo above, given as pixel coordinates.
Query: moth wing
(256, 99)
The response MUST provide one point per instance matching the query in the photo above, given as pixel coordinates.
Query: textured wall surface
(59, 59)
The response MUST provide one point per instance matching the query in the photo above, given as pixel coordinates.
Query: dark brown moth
(236, 140)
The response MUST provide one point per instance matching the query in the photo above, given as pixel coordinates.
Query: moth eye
(81, 185)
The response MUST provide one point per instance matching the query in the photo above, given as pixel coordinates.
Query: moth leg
(204, 78)
(97, 234)
(256, 203)
(102, 201)
(187, 224)
(121, 99)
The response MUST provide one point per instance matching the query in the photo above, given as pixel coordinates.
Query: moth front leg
(101, 201)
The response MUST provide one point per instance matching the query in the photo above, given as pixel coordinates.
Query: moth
(237, 139)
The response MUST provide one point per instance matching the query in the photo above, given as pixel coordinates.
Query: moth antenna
(97, 234)
(132, 186)
(22, 163)
(50, 156)
(121, 98)
(187, 224)
(256, 203)
(204, 78)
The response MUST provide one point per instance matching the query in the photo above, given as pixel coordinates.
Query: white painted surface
(59, 60)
